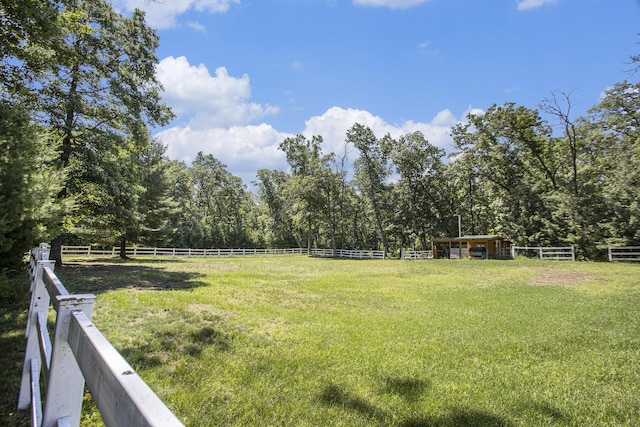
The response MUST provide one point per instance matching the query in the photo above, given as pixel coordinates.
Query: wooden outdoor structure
(477, 246)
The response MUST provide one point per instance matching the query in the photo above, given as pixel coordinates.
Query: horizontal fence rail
(76, 354)
(408, 254)
(177, 252)
(549, 253)
(624, 253)
(348, 253)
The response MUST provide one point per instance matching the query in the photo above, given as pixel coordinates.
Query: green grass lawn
(298, 341)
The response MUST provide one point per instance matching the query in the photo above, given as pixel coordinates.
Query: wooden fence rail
(410, 254)
(180, 252)
(78, 353)
(550, 253)
(177, 252)
(348, 253)
(624, 253)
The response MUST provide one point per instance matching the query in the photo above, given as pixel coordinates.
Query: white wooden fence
(78, 353)
(624, 253)
(176, 252)
(550, 253)
(348, 253)
(409, 254)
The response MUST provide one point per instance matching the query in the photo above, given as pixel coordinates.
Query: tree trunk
(55, 253)
(123, 247)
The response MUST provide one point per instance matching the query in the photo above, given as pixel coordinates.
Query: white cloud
(197, 26)
(425, 47)
(532, 4)
(215, 115)
(163, 14)
(334, 123)
(207, 100)
(244, 149)
(392, 4)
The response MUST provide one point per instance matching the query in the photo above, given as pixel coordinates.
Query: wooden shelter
(478, 246)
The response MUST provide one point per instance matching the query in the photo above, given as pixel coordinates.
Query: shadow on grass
(458, 417)
(411, 390)
(174, 339)
(14, 303)
(334, 395)
(98, 277)
(548, 411)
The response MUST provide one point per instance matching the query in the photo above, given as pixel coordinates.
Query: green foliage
(276, 222)
(511, 155)
(420, 204)
(371, 170)
(28, 185)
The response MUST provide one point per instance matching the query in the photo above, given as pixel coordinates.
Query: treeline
(509, 174)
(78, 164)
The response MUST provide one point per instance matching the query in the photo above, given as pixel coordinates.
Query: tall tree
(371, 172)
(616, 137)
(576, 202)
(103, 91)
(222, 202)
(28, 185)
(510, 151)
(156, 205)
(308, 187)
(29, 33)
(278, 224)
(417, 193)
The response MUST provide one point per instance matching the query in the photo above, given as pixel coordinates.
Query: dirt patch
(558, 277)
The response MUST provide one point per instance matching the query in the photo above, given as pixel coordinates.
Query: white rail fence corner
(78, 353)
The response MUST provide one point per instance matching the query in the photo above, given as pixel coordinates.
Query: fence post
(39, 303)
(66, 383)
(610, 255)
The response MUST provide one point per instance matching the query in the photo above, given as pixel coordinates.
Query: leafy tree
(512, 157)
(189, 230)
(615, 126)
(371, 172)
(102, 92)
(222, 203)
(278, 224)
(417, 195)
(310, 185)
(28, 34)
(155, 204)
(576, 203)
(28, 185)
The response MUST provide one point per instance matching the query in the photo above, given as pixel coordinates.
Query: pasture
(305, 341)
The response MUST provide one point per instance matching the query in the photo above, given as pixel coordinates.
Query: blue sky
(242, 75)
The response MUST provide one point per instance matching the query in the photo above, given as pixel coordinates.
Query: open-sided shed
(477, 246)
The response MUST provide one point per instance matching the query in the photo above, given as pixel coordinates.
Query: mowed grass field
(299, 341)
